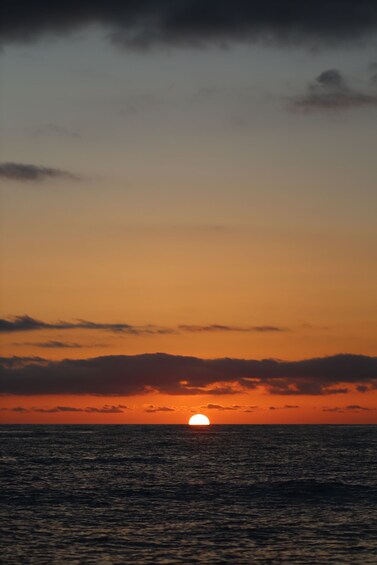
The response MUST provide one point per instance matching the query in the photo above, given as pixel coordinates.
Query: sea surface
(178, 494)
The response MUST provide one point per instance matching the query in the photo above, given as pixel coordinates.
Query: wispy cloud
(223, 328)
(285, 407)
(33, 173)
(179, 375)
(106, 409)
(58, 345)
(151, 408)
(349, 408)
(51, 345)
(221, 407)
(27, 323)
(330, 91)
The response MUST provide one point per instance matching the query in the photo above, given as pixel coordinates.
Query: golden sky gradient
(210, 199)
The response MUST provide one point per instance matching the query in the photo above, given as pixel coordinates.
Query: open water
(175, 494)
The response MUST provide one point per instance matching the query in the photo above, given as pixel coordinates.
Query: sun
(199, 420)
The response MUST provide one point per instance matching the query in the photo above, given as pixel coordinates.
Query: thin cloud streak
(221, 328)
(55, 345)
(349, 408)
(152, 409)
(32, 173)
(27, 323)
(106, 409)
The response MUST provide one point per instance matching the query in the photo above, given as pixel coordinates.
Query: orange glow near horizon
(257, 407)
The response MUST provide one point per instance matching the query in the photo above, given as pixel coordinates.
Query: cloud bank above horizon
(182, 375)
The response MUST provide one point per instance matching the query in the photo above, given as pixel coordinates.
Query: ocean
(177, 494)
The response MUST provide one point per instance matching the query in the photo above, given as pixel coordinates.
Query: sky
(188, 203)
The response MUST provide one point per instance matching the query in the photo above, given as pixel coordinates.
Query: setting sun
(199, 420)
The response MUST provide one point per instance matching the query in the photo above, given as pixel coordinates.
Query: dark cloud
(107, 409)
(362, 388)
(58, 344)
(20, 362)
(217, 390)
(151, 409)
(193, 22)
(15, 409)
(357, 407)
(221, 407)
(349, 408)
(56, 409)
(54, 345)
(222, 328)
(179, 375)
(26, 323)
(331, 91)
(32, 173)
(285, 407)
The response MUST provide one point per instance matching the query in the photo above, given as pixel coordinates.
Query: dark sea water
(175, 494)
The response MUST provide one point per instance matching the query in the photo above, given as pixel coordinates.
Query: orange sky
(309, 411)
(209, 201)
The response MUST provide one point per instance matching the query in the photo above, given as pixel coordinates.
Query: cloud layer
(151, 408)
(179, 375)
(26, 323)
(193, 22)
(32, 173)
(106, 409)
(349, 408)
(331, 91)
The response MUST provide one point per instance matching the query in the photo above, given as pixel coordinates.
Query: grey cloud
(151, 409)
(27, 323)
(32, 173)
(56, 409)
(54, 345)
(20, 362)
(217, 390)
(194, 22)
(362, 388)
(356, 407)
(223, 328)
(58, 344)
(15, 409)
(285, 407)
(331, 91)
(221, 407)
(372, 68)
(179, 375)
(107, 409)
(349, 408)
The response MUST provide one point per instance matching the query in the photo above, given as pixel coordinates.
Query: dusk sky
(188, 211)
